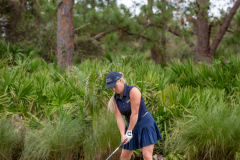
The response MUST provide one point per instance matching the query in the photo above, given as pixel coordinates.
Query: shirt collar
(124, 92)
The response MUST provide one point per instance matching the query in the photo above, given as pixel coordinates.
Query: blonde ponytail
(111, 104)
(123, 79)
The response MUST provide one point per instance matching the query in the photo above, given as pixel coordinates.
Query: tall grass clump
(102, 139)
(11, 137)
(60, 139)
(209, 133)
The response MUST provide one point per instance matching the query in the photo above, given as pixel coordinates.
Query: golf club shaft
(116, 149)
(114, 152)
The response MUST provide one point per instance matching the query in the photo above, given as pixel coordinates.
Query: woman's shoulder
(135, 93)
(131, 86)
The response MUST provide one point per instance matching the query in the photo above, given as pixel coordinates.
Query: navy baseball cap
(112, 78)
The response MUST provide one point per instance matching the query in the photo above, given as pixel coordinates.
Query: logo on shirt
(128, 101)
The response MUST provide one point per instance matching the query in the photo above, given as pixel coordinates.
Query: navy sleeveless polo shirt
(124, 104)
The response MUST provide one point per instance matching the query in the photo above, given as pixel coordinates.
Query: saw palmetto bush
(4, 100)
(10, 51)
(7, 77)
(184, 73)
(23, 89)
(60, 94)
(3, 62)
(42, 82)
(220, 74)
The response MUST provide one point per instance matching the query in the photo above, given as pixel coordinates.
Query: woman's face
(119, 87)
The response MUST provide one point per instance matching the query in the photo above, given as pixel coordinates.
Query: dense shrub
(11, 136)
(87, 47)
(210, 132)
(182, 97)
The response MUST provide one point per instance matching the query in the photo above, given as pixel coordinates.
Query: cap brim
(111, 85)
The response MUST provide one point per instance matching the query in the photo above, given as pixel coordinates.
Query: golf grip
(117, 148)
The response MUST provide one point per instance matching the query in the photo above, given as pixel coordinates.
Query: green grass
(11, 136)
(60, 139)
(210, 132)
(103, 138)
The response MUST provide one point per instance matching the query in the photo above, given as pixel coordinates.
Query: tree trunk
(163, 46)
(93, 4)
(205, 51)
(163, 34)
(155, 55)
(14, 10)
(150, 5)
(223, 28)
(202, 31)
(101, 3)
(108, 2)
(154, 50)
(65, 33)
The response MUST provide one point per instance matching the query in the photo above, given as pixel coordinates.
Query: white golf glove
(128, 136)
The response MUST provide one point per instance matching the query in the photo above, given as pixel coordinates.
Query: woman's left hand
(128, 136)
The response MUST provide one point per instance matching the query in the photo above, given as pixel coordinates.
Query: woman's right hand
(122, 138)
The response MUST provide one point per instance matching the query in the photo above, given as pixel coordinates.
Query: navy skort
(145, 133)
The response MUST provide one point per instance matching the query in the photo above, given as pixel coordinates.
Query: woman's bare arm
(120, 120)
(135, 97)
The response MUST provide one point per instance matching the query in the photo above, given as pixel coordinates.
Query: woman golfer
(141, 130)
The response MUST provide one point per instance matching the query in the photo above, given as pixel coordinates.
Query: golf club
(117, 148)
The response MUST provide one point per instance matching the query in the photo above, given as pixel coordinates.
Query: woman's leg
(126, 154)
(147, 152)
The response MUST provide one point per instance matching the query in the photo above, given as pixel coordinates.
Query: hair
(111, 105)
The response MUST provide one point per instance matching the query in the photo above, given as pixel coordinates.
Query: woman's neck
(121, 94)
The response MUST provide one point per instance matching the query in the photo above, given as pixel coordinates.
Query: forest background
(54, 57)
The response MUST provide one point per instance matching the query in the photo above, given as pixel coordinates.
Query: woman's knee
(126, 155)
(147, 152)
(147, 156)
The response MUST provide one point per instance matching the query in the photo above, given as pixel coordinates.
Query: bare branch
(138, 35)
(198, 6)
(230, 31)
(166, 27)
(224, 27)
(141, 36)
(169, 29)
(177, 33)
(147, 25)
(100, 35)
(219, 22)
(81, 27)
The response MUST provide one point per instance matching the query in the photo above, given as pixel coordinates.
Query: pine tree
(65, 33)
(204, 29)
